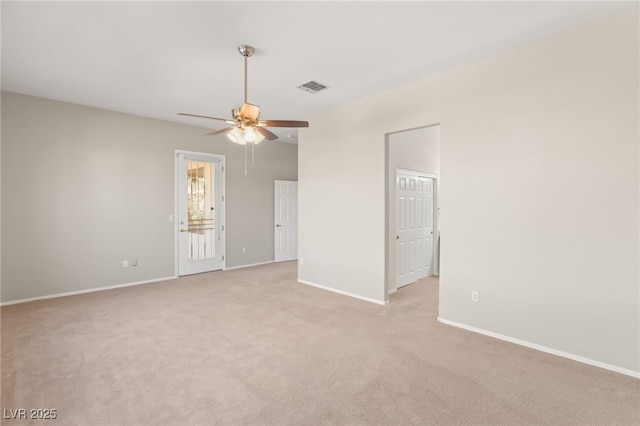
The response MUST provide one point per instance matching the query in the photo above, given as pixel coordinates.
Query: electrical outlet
(475, 296)
(134, 262)
(125, 263)
(244, 250)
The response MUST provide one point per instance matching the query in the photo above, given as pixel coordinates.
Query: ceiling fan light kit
(241, 138)
(247, 128)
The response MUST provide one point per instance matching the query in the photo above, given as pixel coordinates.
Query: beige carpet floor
(252, 346)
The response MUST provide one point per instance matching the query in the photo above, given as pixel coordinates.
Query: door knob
(184, 230)
(278, 226)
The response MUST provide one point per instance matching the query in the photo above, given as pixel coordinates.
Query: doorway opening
(412, 182)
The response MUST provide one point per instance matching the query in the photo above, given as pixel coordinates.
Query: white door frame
(221, 213)
(436, 229)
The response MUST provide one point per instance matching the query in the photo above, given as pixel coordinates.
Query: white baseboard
(345, 293)
(551, 351)
(91, 290)
(248, 266)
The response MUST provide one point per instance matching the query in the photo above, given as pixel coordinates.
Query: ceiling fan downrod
(246, 51)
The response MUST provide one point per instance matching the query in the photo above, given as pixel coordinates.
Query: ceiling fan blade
(217, 132)
(266, 133)
(249, 112)
(284, 123)
(206, 116)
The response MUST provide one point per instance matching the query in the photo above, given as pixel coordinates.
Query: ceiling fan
(246, 124)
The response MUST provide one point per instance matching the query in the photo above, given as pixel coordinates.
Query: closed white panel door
(200, 213)
(414, 227)
(286, 220)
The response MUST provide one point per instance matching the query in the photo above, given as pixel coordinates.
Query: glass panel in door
(201, 210)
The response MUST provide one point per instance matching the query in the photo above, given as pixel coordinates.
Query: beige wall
(83, 189)
(417, 150)
(539, 192)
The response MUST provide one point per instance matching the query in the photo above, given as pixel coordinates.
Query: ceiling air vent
(313, 86)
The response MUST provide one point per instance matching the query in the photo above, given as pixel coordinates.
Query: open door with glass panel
(200, 213)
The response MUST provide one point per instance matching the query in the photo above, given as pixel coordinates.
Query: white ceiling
(156, 59)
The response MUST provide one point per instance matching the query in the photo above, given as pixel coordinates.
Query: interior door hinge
(223, 198)
(223, 227)
(222, 257)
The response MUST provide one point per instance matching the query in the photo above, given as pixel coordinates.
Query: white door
(200, 226)
(286, 220)
(414, 227)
